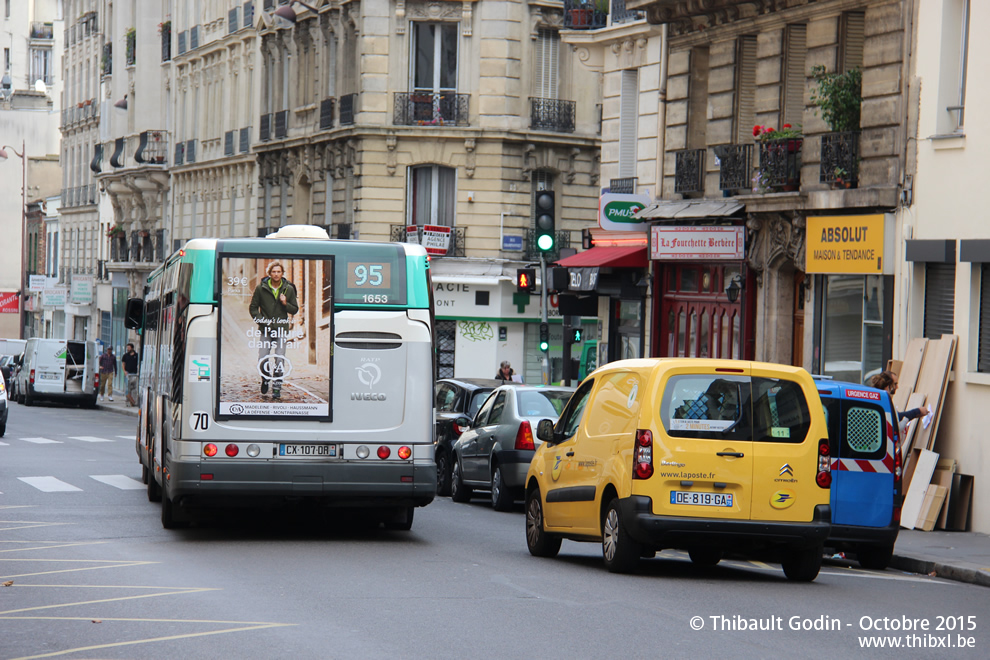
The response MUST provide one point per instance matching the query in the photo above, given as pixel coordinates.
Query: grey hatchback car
(494, 452)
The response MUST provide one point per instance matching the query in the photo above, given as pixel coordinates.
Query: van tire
(501, 494)
(540, 542)
(705, 556)
(876, 557)
(803, 565)
(402, 520)
(458, 491)
(28, 400)
(620, 552)
(154, 490)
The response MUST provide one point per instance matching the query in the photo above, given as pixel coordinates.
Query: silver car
(494, 452)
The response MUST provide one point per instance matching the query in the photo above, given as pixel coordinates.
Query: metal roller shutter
(940, 299)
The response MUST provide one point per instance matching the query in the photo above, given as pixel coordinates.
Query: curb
(119, 411)
(941, 569)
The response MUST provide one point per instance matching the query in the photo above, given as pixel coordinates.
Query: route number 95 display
(369, 276)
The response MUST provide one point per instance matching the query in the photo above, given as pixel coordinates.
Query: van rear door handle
(737, 454)
(570, 453)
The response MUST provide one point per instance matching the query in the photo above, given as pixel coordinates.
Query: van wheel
(705, 556)
(3, 429)
(458, 491)
(28, 400)
(876, 557)
(540, 542)
(803, 565)
(620, 552)
(154, 490)
(403, 520)
(501, 494)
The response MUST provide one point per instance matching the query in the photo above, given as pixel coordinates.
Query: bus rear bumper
(344, 484)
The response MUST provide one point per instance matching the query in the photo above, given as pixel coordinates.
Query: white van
(59, 370)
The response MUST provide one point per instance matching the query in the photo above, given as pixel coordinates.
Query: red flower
(770, 129)
(756, 130)
(787, 126)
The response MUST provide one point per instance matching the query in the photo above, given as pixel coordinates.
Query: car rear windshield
(541, 404)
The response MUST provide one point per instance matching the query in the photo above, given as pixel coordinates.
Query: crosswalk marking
(4, 444)
(127, 437)
(49, 484)
(118, 481)
(42, 441)
(89, 438)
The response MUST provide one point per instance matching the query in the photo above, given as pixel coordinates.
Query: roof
(630, 256)
(687, 209)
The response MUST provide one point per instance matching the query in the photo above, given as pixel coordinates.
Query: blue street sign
(512, 243)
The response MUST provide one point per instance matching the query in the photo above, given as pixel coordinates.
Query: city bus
(287, 368)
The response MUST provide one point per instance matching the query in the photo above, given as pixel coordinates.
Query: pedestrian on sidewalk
(129, 360)
(887, 380)
(108, 369)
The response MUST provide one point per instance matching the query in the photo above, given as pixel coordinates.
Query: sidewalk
(960, 556)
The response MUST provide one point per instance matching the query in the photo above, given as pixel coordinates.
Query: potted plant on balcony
(838, 99)
(780, 157)
(114, 231)
(582, 12)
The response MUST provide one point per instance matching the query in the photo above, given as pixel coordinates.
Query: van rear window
(780, 411)
(707, 406)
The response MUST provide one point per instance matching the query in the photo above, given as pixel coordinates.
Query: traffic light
(544, 337)
(575, 335)
(525, 280)
(545, 220)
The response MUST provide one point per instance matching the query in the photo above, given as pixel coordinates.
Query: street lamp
(289, 14)
(24, 288)
(733, 289)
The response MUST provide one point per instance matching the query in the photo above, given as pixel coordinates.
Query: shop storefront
(851, 260)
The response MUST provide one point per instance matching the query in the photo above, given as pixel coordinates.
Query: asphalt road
(94, 575)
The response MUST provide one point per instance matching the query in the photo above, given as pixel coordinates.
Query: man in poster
(273, 301)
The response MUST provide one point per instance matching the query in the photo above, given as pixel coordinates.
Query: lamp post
(23, 156)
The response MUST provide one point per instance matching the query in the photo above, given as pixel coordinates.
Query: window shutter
(794, 76)
(983, 352)
(853, 24)
(745, 89)
(628, 117)
(940, 298)
(547, 62)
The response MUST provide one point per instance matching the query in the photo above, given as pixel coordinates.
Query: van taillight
(824, 476)
(524, 436)
(96, 381)
(32, 377)
(643, 455)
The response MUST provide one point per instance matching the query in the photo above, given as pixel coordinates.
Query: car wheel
(458, 491)
(501, 494)
(154, 490)
(803, 565)
(876, 557)
(443, 473)
(3, 429)
(540, 542)
(705, 556)
(620, 552)
(403, 519)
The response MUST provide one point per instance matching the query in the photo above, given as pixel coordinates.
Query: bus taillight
(210, 449)
(404, 452)
(231, 450)
(384, 452)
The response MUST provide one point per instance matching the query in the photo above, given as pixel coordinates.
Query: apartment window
(940, 299)
(433, 195)
(546, 76)
(435, 57)
(745, 88)
(792, 94)
(953, 67)
(41, 65)
(983, 348)
(6, 60)
(6, 8)
(628, 119)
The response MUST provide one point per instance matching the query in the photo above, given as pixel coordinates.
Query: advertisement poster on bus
(276, 329)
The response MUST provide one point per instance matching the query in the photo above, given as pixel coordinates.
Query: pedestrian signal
(525, 280)
(575, 335)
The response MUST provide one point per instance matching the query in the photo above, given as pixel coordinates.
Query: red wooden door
(696, 317)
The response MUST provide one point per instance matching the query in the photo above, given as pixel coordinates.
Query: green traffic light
(545, 242)
(544, 346)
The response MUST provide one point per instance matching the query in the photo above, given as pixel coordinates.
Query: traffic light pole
(543, 314)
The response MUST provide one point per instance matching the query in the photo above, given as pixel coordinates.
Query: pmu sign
(849, 244)
(616, 211)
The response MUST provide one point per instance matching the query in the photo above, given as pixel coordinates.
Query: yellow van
(708, 456)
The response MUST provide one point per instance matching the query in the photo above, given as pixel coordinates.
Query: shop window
(852, 327)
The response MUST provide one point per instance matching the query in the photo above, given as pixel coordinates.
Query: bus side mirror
(134, 313)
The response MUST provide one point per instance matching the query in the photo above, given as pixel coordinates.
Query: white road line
(48, 484)
(42, 441)
(89, 438)
(127, 437)
(4, 444)
(120, 481)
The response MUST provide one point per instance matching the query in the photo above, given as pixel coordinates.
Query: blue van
(866, 470)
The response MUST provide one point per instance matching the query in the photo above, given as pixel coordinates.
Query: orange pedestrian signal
(525, 280)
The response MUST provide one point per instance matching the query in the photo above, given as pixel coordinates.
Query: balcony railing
(735, 166)
(265, 130)
(96, 165)
(840, 159)
(428, 109)
(551, 115)
(131, 46)
(152, 148)
(326, 114)
(348, 106)
(780, 165)
(581, 15)
(281, 124)
(626, 186)
(118, 248)
(106, 61)
(689, 171)
(166, 34)
(42, 30)
(398, 234)
(117, 158)
(620, 14)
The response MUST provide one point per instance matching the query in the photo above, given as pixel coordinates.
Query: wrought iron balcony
(117, 158)
(106, 61)
(130, 50)
(584, 15)
(429, 109)
(626, 186)
(96, 165)
(735, 166)
(266, 127)
(326, 114)
(398, 234)
(41, 30)
(551, 115)
(348, 106)
(118, 248)
(689, 171)
(780, 165)
(166, 34)
(152, 148)
(840, 159)
(620, 14)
